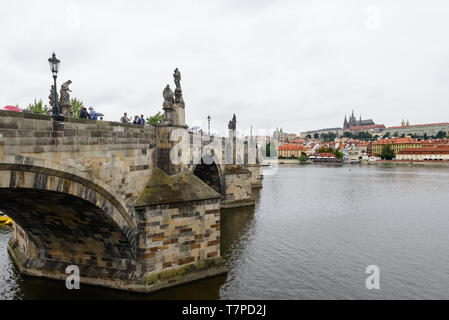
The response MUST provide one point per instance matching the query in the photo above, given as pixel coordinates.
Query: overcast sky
(299, 65)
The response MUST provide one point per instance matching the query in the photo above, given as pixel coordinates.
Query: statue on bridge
(169, 98)
(233, 123)
(177, 77)
(174, 103)
(64, 100)
(51, 97)
(179, 101)
(64, 93)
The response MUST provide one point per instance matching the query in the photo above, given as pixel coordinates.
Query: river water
(311, 235)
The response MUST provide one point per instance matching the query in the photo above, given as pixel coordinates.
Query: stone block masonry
(105, 197)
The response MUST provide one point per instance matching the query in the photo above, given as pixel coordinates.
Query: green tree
(363, 135)
(303, 158)
(324, 149)
(396, 134)
(440, 135)
(316, 136)
(348, 134)
(387, 134)
(308, 136)
(270, 150)
(38, 107)
(76, 107)
(338, 154)
(267, 149)
(387, 152)
(330, 136)
(156, 119)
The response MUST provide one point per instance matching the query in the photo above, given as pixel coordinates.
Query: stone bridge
(106, 197)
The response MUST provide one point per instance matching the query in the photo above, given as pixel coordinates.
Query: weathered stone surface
(162, 188)
(106, 196)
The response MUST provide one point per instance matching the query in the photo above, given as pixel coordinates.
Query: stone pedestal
(66, 110)
(238, 187)
(179, 115)
(179, 219)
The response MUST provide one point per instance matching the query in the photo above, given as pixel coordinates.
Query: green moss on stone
(179, 272)
(236, 169)
(162, 188)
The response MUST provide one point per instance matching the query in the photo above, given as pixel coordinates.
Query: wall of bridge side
(119, 155)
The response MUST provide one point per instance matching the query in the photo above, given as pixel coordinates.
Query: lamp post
(208, 124)
(54, 67)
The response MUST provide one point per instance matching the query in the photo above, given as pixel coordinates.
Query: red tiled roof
(326, 154)
(427, 150)
(397, 140)
(291, 147)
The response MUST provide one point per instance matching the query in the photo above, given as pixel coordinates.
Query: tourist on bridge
(142, 120)
(92, 113)
(125, 118)
(137, 120)
(83, 113)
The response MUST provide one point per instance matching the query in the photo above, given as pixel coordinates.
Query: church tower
(352, 120)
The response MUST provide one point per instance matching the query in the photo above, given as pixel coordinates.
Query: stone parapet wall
(120, 155)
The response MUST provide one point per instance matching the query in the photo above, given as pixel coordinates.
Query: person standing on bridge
(83, 113)
(137, 120)
(125, 118)
(93, 113)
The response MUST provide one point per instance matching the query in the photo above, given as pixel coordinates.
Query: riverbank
(407, 163)
(411, 163)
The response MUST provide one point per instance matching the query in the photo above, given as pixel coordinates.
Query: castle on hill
(353, 122)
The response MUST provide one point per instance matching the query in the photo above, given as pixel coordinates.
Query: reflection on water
(312, 234)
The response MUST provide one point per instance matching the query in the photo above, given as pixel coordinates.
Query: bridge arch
(68, 218)
(212, 175)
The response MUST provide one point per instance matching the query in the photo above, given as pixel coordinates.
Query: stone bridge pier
(106, 197)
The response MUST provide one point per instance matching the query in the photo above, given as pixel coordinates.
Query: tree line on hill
(366, 136)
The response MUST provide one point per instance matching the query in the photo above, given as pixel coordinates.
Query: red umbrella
(12, 108)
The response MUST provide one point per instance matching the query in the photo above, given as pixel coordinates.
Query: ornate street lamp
(208, 124)
(54, 67)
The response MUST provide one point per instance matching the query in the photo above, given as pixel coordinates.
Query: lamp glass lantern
(54, 64)
(208, 124)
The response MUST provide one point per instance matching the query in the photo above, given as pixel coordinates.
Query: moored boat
(5, 220)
